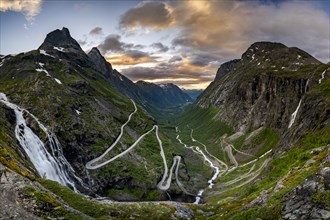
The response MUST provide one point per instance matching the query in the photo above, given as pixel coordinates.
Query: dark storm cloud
(175, 59)
(82, 42)
(112, 43)
(96, 31)
(136, 54)
(147, 14)
(202, 59)
(228, 28)
(160, 47)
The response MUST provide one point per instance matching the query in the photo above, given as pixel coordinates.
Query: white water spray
(322, 76)
(52, 165)
(197, 150)
(294, 114)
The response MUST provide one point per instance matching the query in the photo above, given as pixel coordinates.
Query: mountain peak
(263, 47)
(100, 62)
(226, 68)
(95, 53)
(95, 50)
(272, 53)
(60, 38)
(60, 44)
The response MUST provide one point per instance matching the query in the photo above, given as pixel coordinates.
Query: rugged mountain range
(83, 103)
(142, 92)
(255, 144)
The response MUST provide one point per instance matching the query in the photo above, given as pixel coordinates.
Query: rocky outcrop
(100, 63)
(60, 38)
(23, 199)
(277, 55)
(299, 202)
(10, 204)
(59, 44)
(226, 68)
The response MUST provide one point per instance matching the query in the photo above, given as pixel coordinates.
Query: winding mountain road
(90, 165)
(165, 182)
(253, 176)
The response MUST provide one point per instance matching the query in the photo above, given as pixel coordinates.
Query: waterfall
(294, 114)
(198, 197)
(322, 76)
(50, 165)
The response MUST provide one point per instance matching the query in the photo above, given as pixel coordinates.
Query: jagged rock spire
(60, 38)
(101, 64)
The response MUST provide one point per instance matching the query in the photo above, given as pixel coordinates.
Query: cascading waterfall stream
(197, 150)
(294, 114)
(219, 172)
(51, 165)
(322, 76)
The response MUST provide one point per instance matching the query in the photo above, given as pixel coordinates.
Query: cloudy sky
(183, 42)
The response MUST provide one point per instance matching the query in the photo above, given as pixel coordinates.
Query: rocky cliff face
(100, 63)
(286, 91)
(265, 87)
(308, 200)
(226, 68)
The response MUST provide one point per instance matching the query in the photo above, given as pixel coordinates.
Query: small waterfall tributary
(294, 114)
(50, 165)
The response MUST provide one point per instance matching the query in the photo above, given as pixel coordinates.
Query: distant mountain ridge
(163, 95)
(60, 41)
(193, 93)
